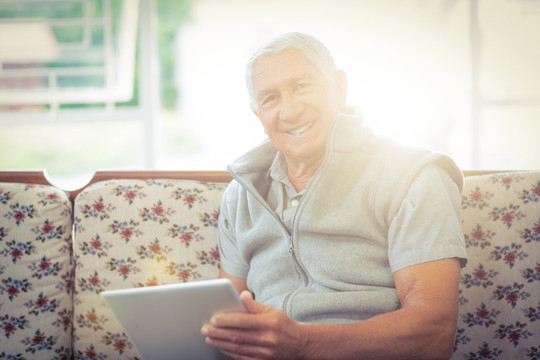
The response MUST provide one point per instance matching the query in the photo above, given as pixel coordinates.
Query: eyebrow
(294, 80)
(261, 95)
(301, 77)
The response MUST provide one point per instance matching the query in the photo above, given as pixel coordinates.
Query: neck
(300, 172)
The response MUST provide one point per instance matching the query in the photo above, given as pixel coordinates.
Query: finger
(239, 350)
(252, 306)
(229, 334)
(234, 320)
(239, 320)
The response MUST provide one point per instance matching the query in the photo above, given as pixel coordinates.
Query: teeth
(302, 129)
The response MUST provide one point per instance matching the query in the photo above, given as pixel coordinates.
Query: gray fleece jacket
(334, 266)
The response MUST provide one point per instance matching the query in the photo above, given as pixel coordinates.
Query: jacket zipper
(291, 247)
(261, 201)
(290, 237)
(290, 244)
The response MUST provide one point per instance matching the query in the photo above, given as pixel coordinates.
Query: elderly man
(350, 242)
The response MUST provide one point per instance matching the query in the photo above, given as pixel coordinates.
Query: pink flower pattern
(503, 239)
(144, 233)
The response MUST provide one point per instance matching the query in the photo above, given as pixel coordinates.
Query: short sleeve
(427, 226)
(231, 260)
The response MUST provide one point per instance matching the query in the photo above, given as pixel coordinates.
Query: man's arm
(238, 283)
(423, 328)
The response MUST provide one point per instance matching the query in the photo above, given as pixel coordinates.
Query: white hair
(314, 50)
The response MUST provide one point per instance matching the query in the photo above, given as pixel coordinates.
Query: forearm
(409, 333)
(424, 328)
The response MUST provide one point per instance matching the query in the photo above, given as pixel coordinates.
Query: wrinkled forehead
(281, 67)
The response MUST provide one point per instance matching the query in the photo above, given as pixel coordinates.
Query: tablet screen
(164, 321)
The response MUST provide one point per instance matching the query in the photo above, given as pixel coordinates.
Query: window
(69, 95)
(56, 53)
(456, 76)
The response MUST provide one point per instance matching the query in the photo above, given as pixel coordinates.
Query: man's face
(295, 104)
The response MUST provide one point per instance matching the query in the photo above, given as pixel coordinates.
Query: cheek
(264, 126)
(267, 122)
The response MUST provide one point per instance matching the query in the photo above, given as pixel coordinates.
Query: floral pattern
(507, 214)
(131, 233)
(129, 192)
(20, 213)
(506, 180)
(36, 267)
(500, 286)
(17, 249)
(189, 196)
(479, 237)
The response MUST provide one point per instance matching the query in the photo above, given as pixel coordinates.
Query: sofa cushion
(132, 233)
(35, 272)
(500, 287)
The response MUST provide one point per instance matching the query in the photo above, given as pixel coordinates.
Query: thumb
(252, 306)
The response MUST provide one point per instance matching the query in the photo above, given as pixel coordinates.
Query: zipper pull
(291, 249)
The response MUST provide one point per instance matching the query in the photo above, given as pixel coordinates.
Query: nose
(290, 107)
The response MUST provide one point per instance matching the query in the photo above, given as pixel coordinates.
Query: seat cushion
(132, 233)
(35, 272)
(500, 287)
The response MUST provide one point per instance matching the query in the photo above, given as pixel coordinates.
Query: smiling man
(296, 106)
(350, 242)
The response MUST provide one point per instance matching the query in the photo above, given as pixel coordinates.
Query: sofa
(60, 249)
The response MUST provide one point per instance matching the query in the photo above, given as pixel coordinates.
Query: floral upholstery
(130, 233)
(35, 272)
(500, 287)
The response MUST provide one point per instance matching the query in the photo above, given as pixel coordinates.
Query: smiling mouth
(301, 129)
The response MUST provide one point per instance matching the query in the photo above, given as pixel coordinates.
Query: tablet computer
(164, 322)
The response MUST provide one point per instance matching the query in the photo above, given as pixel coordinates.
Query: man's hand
(423, 328)
(261, 333)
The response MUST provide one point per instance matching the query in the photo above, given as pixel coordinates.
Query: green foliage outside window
(171, 15)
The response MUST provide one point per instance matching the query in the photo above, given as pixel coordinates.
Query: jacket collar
(345, 135)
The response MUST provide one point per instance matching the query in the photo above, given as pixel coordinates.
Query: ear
(254, 111)
(341, 87)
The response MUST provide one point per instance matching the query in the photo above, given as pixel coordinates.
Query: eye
(270, 100)
(303, 86)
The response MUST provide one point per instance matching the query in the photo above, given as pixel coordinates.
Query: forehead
(286, 66)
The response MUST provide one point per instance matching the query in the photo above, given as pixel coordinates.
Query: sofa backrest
(500, 286)
(36, 286)
(130, 233)
(144, 232)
